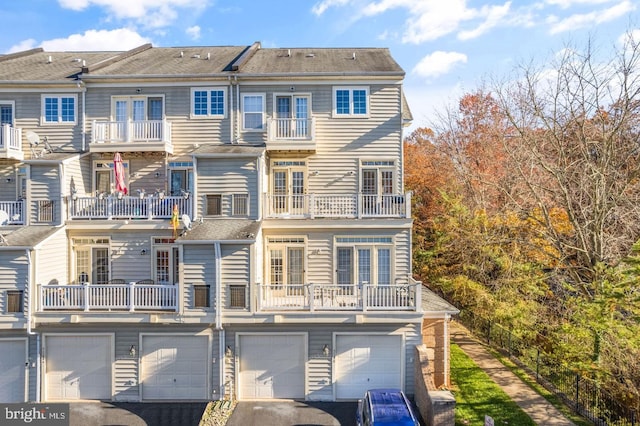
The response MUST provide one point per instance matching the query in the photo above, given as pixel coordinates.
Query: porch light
(132, 351)
(161, 195)
(9, 180)
(228, 352)
(326, 351)
(186, 194)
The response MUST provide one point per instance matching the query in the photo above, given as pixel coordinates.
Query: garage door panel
(271, 366)
(12, 370)
(175, 367)
(78, 367)
(366, 362)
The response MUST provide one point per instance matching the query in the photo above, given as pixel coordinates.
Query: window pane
(345, 264)
(276, 273)
(384, 266)
(51, 110)
(155, 109)
(14, 301)
(101, 265)
(138, 110)
(364, 266)
(83, 268)
(387, 181)
(200, 102)
(121, 111)
(6, 114)
(252, 112)
(162, 266)
(237, 296)
(200, 296)
(68, 109)
(214, 205)
(342, 101)
(295, 267)
(240, 204)
(217, 102)
(359, 101)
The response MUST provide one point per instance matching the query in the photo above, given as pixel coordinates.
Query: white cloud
(23, 45)
(151, 13)
(438, 63)
(120, 39)
(193, 32)
(494, 16)
(565, 4)
(322, 6)
(584, 20)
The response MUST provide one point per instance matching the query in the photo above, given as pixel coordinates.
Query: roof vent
(310, 55)
(353, 56)
(49, 59)
(181, 54)
(288, 52)
(196, 56)
(208, 56)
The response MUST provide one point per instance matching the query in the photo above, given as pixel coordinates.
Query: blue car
(385, 407)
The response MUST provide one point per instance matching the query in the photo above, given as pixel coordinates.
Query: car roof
(390, 406)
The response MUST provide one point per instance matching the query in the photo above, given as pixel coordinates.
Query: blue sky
(446, 47)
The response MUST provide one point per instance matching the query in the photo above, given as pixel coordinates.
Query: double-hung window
(208, 102)
(59, 109)
(350, 101)
(364, 260)
(253, 107)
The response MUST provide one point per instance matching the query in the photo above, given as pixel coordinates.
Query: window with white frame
(208, 102)
(240, 204)
(286, 262)
(364, 260)
(92, 260)
(350, 101)
(377, 184)
(59, 109)
(253, 108)
(180, 178)
(165, 261)
(104, 176)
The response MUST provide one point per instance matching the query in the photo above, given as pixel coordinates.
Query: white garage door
(175, 367)
(12, 370)
(271, 366)
(78, 367)
(366, 362)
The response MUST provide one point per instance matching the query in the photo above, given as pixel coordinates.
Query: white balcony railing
(320, 297)
(127, 207)
(15, 212)
(106, 297)
(131, 131)
(11, 141)
(288, 129)
(337, 206)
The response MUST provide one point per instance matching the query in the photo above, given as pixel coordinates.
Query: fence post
(578, 392)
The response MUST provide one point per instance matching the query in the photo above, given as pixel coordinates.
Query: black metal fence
(582, 394)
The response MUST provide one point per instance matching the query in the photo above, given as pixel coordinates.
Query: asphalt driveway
(293, 413)
(135, 414)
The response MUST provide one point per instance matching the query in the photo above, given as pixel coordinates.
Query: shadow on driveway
(293, 413)
(135, 414)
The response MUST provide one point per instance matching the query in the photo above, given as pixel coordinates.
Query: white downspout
(30, 332)
(84, 116)
(231, 114)
(445, 345)
(218, 308)
(238, 119)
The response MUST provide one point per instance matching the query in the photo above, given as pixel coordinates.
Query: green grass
(477, 395)
(530, 381)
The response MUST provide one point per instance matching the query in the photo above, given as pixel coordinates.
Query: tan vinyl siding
(227, 176)
(235, 270)
(52, 259)
(13, 276)
(7, 190)
(199, 269)
(185, 132)
(44, 187)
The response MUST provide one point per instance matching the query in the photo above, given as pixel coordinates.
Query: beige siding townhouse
(206, 222)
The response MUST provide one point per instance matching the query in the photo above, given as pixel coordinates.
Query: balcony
(291, 134)
(129, 136)
(127, 207)
(11, 142)
(348, 206)
(12, 213)
(321, 297)
(130, 297)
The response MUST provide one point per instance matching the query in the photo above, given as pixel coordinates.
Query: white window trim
(373, 246)
(379, 167)
(193, 115)
(285, 242)
(13, 110)
(130, 98)
(108, 165)
(334, 111)
(264, 112)
(58, 96)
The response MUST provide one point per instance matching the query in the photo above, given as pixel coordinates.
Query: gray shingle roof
(48, 66)
(329, 61)
(172, 61)
(431, 302)
(25, 236)
(222, 230)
